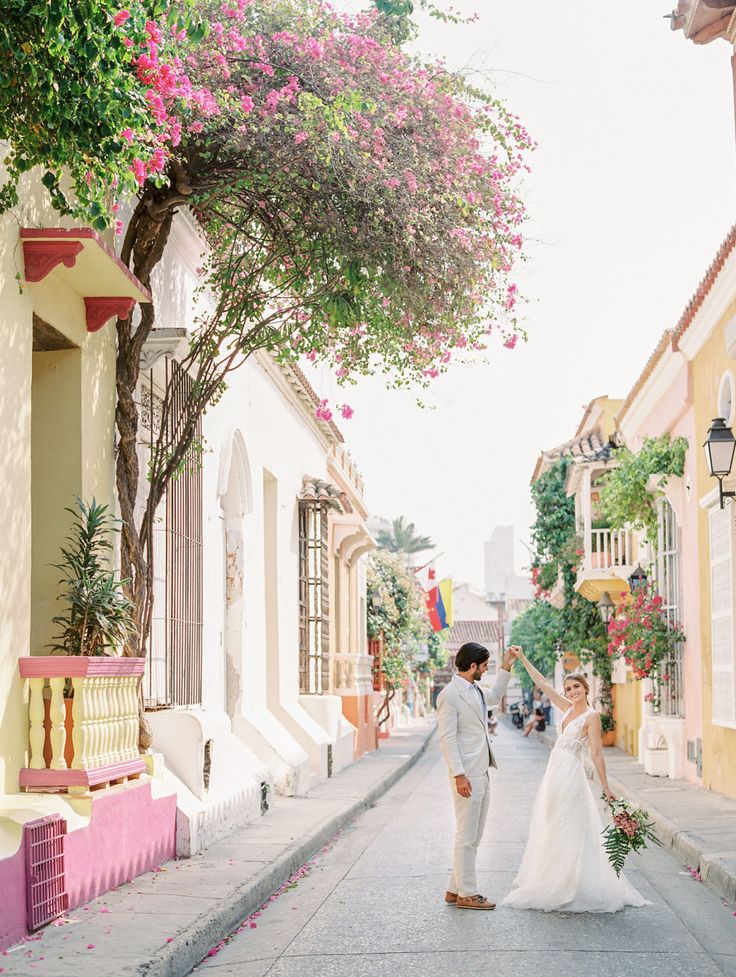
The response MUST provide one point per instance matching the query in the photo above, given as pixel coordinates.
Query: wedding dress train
(565, 867)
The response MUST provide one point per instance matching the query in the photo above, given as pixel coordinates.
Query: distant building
(477, 619)
(500, 571)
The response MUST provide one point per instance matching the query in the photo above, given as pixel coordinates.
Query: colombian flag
(439, 605)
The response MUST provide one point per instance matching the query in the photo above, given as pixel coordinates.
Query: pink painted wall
(129, 832)
(675, 413)
(12, 898)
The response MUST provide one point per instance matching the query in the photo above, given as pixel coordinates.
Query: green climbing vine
(625, 499)
(575, 627)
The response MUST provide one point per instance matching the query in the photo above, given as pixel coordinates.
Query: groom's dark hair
(470, 653)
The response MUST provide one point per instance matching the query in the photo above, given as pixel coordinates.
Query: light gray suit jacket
(462, 716)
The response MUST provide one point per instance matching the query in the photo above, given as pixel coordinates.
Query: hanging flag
(426, 576)
(439, 605)
(431, 597)
(446, 595)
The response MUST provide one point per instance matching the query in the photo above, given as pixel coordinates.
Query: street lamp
(638, 579)
(606, 607)
(720, 446)
(376, 601)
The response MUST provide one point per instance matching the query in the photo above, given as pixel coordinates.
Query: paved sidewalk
(164, 922)
(698, 824)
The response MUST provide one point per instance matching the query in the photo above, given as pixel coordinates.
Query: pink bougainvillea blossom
(324, 107)
(139, 171)
(323, 412)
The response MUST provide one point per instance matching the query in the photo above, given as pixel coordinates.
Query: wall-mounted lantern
(638, 579)
(606, 607)
(720, 446)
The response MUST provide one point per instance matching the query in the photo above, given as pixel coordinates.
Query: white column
(587, 518)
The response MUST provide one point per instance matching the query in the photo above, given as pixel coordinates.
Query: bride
(565, 866)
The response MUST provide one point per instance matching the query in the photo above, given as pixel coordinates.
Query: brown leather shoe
(450, 898)
(474, 902)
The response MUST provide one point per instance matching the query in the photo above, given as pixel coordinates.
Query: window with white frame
(314, 660)
(722, 617)
(670, 697)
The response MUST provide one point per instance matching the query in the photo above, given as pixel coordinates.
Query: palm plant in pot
(98, 617)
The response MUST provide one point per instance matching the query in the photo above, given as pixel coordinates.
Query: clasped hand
(512, 653)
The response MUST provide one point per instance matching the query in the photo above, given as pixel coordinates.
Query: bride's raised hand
(516, 652)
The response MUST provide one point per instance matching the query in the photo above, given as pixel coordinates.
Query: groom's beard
(477, 675)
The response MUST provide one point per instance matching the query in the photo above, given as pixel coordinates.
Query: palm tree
(402, 539)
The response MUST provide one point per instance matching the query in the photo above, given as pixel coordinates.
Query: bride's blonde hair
(577, 677)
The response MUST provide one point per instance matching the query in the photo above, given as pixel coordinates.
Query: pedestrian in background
(546, 707)
(537, 722)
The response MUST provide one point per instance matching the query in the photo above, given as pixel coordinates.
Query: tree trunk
(143, 248)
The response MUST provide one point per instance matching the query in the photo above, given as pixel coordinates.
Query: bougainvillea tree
(364, 204)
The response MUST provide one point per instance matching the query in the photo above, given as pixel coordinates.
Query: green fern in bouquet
(630, 830)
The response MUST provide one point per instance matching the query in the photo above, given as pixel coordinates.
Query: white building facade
(259, 651)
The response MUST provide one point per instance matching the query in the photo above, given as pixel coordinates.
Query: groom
(462, 709)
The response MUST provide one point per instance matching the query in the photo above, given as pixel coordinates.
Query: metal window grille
(669, 691)
(184, 558)
(46, 897)
(174, 667)
(314, 660)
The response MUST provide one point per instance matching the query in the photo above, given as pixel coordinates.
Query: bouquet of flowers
(630, 830)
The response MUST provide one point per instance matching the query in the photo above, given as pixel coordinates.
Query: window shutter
(721, 576)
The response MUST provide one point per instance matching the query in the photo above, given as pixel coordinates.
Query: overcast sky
(631, 193)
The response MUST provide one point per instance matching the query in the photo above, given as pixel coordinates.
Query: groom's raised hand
(510, 657)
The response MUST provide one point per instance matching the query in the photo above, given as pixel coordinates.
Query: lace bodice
(571, 737)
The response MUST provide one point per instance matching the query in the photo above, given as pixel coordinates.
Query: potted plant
(608, 728)
(98, 616)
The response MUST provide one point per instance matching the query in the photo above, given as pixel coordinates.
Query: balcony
(608, 561)
(89, 739)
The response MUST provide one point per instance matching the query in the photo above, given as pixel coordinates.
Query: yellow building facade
(706, 335)
(57, 411)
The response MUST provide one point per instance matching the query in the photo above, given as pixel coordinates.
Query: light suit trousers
(470, 821)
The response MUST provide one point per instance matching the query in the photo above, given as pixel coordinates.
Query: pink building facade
(661, 402)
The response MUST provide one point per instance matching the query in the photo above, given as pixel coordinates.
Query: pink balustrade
(101, 719)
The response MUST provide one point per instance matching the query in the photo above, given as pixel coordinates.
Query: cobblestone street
(372, 902)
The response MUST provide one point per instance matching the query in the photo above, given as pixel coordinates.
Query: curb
(189, 948)
(685, 846)
(711, 868)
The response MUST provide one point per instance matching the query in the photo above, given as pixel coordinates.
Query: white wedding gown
(565, 867)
